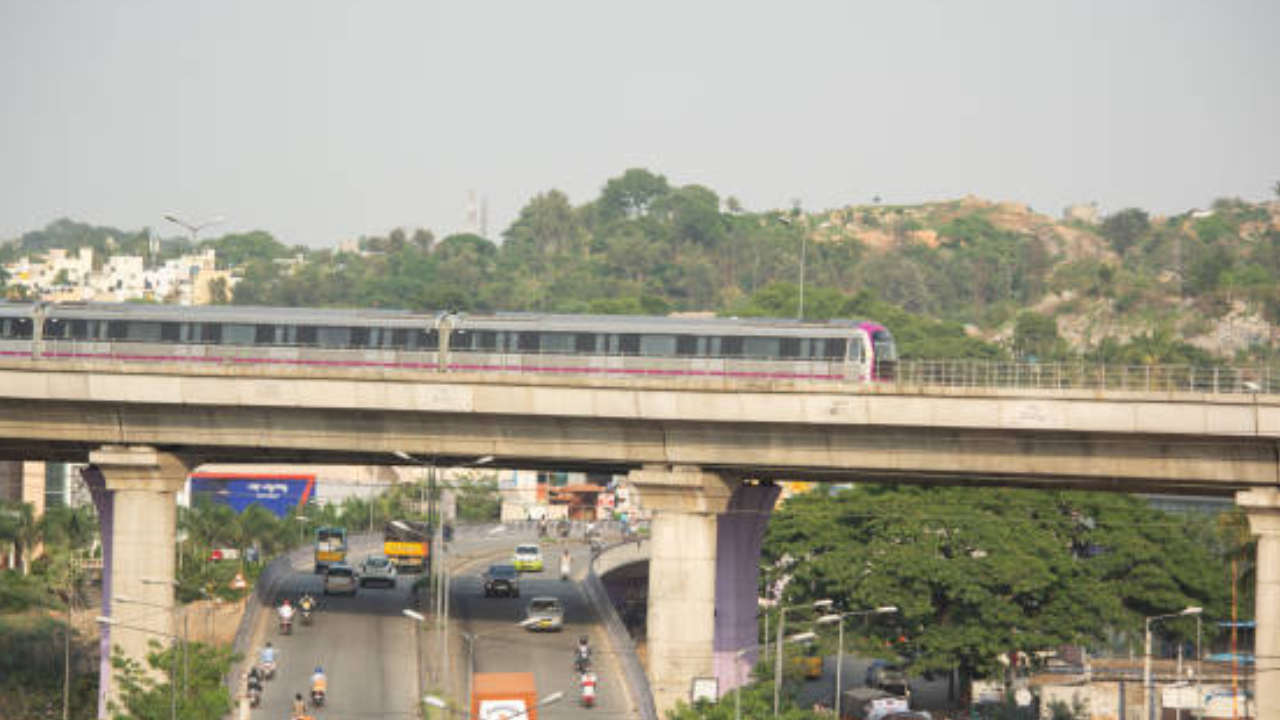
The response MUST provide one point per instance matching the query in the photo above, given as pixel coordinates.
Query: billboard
(275, 492)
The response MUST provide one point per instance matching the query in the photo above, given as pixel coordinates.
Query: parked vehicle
(498, 696)
(870, 704)
(889, 677)
(501, 580)
(544, 613)
(340, 579)
(377, 569)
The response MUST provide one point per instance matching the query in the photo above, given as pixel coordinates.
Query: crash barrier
(637, 682)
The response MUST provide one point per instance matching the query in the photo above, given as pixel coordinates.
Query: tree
(1036, 336)
(197, 691)
(1126, 228)
(629, 196)
(548, 224)
(981, 572)
(239, 249)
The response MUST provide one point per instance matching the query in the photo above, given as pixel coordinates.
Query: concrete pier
(141, 484)
(686, 504)
(740, 533)
(1263, 509)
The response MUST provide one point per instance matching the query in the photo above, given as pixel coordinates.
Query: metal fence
(635, 678)
(1255, 379)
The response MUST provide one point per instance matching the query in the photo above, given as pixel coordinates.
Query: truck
(870, 704)
(504, 696)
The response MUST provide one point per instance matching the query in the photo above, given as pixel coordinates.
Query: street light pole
(194, 228)
(777, 665)
(839, 618)
(1148, 690)
(173, 662)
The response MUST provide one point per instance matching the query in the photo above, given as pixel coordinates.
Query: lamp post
(839, 618)
(1146, 655)
(185, 665)
(471, 639)
(777, 665)
(194, 228)
(737, 689)
(173, 663)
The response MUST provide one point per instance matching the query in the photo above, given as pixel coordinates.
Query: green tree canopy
(981, 572)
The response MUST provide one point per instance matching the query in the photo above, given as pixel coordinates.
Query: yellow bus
(331, 547)
(407, 544)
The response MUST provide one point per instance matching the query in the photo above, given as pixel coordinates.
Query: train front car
(882, 361)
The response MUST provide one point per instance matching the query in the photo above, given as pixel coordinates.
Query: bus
(331, 547)
(407, 544)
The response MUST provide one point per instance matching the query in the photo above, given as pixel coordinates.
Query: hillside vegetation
(963, 278)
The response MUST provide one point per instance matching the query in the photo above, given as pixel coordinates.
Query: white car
(378, 569)
(544, 613)
(528, 558)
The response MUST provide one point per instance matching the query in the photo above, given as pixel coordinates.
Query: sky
(323, 120)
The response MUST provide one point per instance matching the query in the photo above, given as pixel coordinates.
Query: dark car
(501, 580)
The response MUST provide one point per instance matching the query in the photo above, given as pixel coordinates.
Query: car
(889, 677)
(502, 580)
(340, 579)
(544, 613)
(378, 569)
(528, 558)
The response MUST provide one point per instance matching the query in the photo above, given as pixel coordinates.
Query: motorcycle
(588, 690)
(255, 696)
(581, 663)
(267, 669)
(317, 697)
(306, 616)
(286, 626)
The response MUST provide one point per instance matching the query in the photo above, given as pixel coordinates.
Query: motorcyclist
(267, 655)
(566, 564)
(286, 614)
(582, 656)
(299, 707)
(319, 686)
(307, 605)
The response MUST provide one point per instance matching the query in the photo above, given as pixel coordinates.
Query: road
(500, 646)
(925, 694)
(366, 645)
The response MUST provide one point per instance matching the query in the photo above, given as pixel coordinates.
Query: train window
(458, 340)
(78, 329)
(629, 344)
(584, 343)
(687, 345)
(237, 334)
(55, 328)
(789, 347)
(528, 342)
(170, 331)
(307, 335)
(333, 337)
(486, 340)
(760, 347)
(400, 339)
(557, 342)
(264, 334)
(144, 331)
(731, 346)
(211, 333)
(16, 328)
(360, 337)
(836, 346)
(117, 330)
(658, 345)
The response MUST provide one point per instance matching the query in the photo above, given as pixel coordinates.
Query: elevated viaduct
(691, 446)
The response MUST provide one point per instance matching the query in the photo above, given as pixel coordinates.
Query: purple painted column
(739, 535)
(102, 501)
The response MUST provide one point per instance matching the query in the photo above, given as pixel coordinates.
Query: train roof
(529, 321)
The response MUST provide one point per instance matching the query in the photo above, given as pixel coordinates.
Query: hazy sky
(321, 121)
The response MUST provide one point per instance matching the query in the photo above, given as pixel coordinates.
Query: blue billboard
(275, 492)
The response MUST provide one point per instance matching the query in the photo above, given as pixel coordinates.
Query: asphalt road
(501, 646)
(365, 645)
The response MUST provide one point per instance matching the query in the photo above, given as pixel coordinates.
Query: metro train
(603, 345)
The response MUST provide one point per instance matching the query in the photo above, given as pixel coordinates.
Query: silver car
(544, 613)
(379, 570)
(340, 579)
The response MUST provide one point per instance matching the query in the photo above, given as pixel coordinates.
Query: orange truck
(503, 696)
